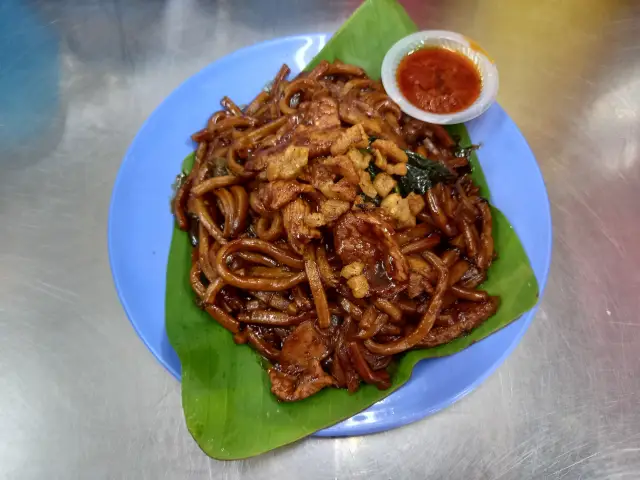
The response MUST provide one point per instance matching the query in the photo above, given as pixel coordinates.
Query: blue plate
(141, 224)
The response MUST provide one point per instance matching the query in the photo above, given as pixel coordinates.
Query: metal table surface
(81, 397)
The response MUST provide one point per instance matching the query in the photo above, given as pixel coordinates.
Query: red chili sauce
(439, 80)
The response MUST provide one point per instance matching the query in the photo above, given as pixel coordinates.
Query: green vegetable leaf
(422, 174)
(416, 180)
(373, 170)
(228, 407)
(375, 200)
(425, 163)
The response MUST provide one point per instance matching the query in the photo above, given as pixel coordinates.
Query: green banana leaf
(227, 403)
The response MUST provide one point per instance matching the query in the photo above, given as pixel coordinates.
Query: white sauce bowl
(451, 41)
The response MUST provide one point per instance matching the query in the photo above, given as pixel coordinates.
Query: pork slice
(275, 195)
(299, 373)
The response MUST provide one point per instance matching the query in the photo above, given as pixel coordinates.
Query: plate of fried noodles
(329, 232)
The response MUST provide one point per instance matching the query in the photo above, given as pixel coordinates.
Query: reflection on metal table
(80, 396)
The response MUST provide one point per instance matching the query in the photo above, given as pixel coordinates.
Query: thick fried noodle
(306, 248)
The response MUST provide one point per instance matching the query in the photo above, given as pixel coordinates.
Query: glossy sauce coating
(438, 80)
(291, 258)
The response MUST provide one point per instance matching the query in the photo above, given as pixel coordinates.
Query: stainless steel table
(81, 397)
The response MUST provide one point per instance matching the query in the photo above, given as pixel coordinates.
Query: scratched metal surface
(80, 397)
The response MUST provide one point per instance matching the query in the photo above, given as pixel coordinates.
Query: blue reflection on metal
(29, 74)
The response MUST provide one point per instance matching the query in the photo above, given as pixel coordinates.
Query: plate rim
(335, 430)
